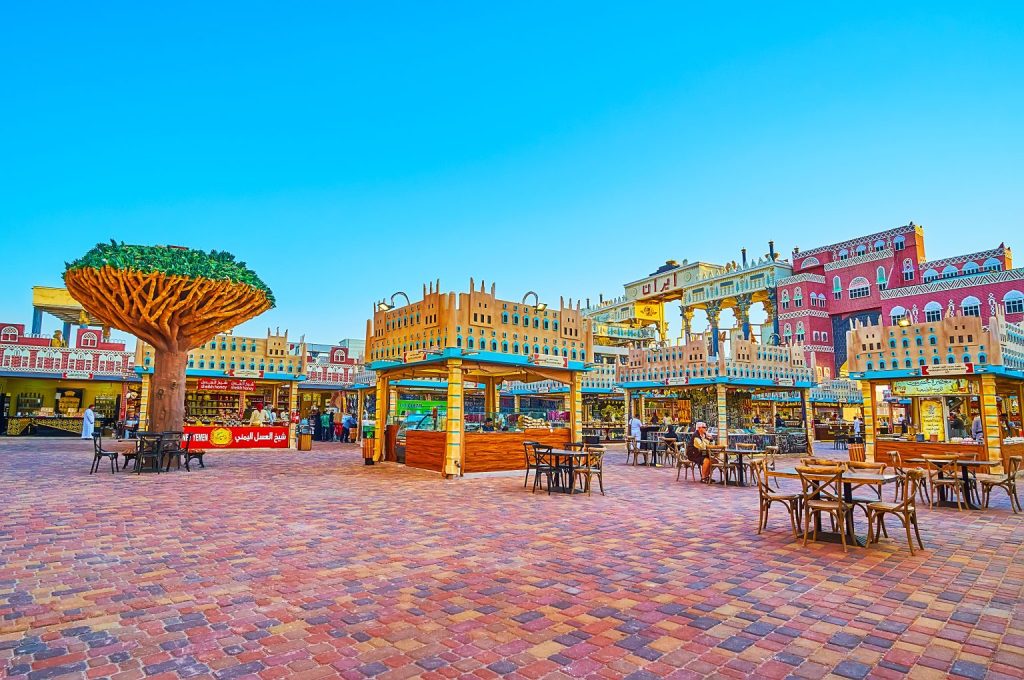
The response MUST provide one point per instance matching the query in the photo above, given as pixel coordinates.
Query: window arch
(971, 268)
(837, 288)
(861, 249)
(1013, 302)
(879, 245)
(787, 333)
(9, 334)
(881, 277)
(933, 312)
(896, 313)
(800, 332)
(785, 299)
(899, 243)
(930, 275)
(798, 297)
(810, 262)
(992, 265)
(949, 271)
(89, 339)
(844, 254)
(859, 288)
(971, 306)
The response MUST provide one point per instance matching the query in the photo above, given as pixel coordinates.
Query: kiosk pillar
(360, 406)
(990, 418)
(293, 407)
(805, 402)
(576, 407)
(627, 395)
(380, 418)
(453, 430)
(723, 416)
(869, 420)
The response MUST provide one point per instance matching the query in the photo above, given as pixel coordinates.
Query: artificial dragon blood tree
(175, 299)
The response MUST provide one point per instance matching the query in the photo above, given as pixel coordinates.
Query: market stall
(947, 386)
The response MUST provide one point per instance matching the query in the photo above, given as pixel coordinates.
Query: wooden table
(654, 445)
(739, 453)
(965, 477)
(565, 459)
(849, 480)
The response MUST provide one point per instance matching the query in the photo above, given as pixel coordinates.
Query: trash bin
(305, 438)
(368, 451)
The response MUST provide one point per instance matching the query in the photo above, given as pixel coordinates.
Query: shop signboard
(552, 360)
(238, 437)
(77, 375)
(245, 373)
(677, 380)
(933, 422)
(947, 369)
(930, 387)
(225, 385)
(785, 382)
(414, 356)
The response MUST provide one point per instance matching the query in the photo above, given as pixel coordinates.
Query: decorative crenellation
(885, 236)
(801, 278)
(1001, 251)
(872, 256)
(955, 283)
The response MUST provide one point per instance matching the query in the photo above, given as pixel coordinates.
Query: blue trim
(989, 369)
(57, 376)
(210, 373)
(477, 355)
(722, 380)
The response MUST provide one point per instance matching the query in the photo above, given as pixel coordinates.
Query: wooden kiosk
(474, 337)
(939, 377)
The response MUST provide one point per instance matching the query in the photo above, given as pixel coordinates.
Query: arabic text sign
(678, 380)
(552, 360)
(930, 387)
(217, 437)
(224, 385)
(947, 369)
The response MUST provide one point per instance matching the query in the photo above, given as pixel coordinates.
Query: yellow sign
(930, 386)
(933, 422)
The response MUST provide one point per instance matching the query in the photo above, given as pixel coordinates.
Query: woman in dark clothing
(318, 428)
(697, 451)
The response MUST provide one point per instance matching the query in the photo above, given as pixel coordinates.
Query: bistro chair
(684, 465)
(905, 510)
(671, 452)
(767, 495)
(171, 449)
(872, 468)
(1007, 482)
(822, 493)
(150, 451)
(631, 449)
(543, 465)
(192, 454)
(811, 460)
(937, 466)
(896, 460)
(99, 453)
(720, 463)
(531, 462)
(841, 441)
(592, 467)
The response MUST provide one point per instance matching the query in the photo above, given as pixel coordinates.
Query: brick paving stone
(333, 569)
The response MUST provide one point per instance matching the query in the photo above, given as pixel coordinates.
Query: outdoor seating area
(569, 470)
(148, 452)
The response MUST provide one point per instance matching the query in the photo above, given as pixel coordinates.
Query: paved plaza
(308, 565)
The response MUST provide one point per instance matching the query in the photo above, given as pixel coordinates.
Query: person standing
(88, 422)
(977, 431)
(347, 425)
(634, 428)
(326, 425)
(256, 419)
(318, 428)
(858, 425)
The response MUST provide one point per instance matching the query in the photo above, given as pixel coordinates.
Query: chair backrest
(1013, 466)
(859, 465)
(912, 480)
(97, 442)
(760, 469)
(936, 461)
(746, 446)
(595, 457)
(170, 441)
(671, 446)
(528, 451)
(896, 460)
(820, 483)
(542, 454)
(810, 460)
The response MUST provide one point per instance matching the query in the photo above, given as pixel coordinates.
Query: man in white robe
(88, 422)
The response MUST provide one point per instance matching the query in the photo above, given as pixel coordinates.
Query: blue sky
(348, 151)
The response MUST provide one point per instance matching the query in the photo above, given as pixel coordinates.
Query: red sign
(77, 375)
(224, 385)
(217, 437)
(947, 369)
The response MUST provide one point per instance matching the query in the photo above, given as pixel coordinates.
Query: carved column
(742, 311)
(771, 310)
(714, 309)
(686, 317)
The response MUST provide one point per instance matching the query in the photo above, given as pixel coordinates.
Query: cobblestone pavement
(307, 565)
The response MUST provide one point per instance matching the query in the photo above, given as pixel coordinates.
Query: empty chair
(905, 510)
(99, 453)
(531, 462)
(1007, 482)
(593, 466)
(942, 476)
(543, 465)
(822, 493)
(767, 495)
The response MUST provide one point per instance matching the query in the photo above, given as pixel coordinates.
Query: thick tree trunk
(167, 392)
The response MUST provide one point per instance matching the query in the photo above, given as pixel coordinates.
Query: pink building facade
(882, 277)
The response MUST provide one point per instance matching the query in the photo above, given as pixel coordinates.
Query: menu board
(930, 386)
(933, 422)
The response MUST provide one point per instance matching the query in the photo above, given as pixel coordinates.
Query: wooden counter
(482, 451)
(1010, 450)
(918, 449)
(499, 451)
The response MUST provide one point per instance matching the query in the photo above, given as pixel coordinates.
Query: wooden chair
(810, 460)
(171, 449)
(670, 454)
(937, 465)
(896, 460)
(631, 449)
(99, 453)
(875, 468)
(684, 465)
(822, 493)
(592, 467)
(768, 495)
(543, 465)
(725, 470)
(531, 463)
(905, 510)
(1008, 482)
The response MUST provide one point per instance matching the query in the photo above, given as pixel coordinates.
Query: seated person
(488, 425)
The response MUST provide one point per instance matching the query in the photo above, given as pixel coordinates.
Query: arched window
(504, 346)
(9, 334)
(908, 270)
(932, 340)
(1013, 302)
(881, 364)
(469, 343)
(824, 336)
(785, 299)
(861, 249)
(899, 243)
(949, 272)
(800, 332)
(515, 348)
(494, 345)
(809, 262)
(879, 245)
(787, 333)
(930, 275)
(844, 254)
(992, 265)
(504, 317)
(933, 312)
(881, 278)
(89, 339)
(897, 313)
(971, 268)
(982, 358)
(515, 319)
(971, 306)
(859, 288)
(798, 297)
(837, 288)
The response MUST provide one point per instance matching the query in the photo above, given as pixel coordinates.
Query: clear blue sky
(347, 151)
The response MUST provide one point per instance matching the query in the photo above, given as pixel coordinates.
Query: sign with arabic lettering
(224, 385)
(217, 437)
